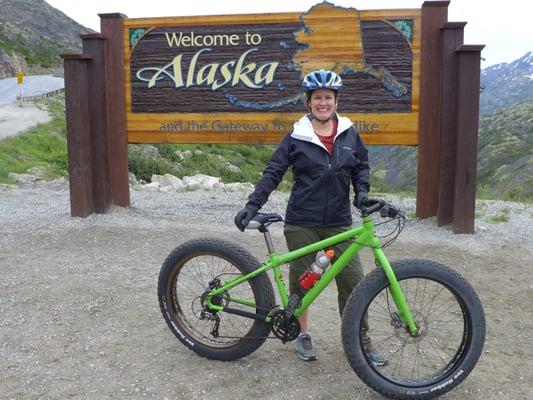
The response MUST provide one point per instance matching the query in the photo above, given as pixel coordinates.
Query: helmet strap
(324, 121)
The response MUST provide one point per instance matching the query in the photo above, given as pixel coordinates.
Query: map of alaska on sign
(338, 49)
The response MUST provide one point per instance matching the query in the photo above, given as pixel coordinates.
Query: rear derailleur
(205, 313)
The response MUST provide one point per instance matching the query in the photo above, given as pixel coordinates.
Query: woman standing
(326, 154)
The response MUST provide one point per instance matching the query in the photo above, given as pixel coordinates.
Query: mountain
(505, 155)
(506, 83)
(33, 34)
(505, 160)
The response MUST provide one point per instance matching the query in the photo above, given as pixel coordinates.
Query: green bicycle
(423, 317)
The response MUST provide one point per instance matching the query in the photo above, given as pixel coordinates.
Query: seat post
(268, 240)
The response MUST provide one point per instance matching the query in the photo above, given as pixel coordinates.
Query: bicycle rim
(187, 284)
(444, 332)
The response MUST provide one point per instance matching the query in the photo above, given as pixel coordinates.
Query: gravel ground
(80, 317)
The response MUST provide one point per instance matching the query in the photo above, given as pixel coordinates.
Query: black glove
(360, 199)
(244, 216)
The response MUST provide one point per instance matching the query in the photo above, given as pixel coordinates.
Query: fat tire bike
(423, 317)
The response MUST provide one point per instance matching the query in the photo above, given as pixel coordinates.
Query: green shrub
(44, 145)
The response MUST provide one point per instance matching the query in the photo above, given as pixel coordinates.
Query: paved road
(33, 86)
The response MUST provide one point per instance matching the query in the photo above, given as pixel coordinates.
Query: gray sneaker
(375, 358)
(304, 348)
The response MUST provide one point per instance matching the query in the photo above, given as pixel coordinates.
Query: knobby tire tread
(366, 290)
(264, 292)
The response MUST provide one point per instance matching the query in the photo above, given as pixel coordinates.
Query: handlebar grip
(376, 206)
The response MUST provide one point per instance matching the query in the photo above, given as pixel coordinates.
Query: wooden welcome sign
(237, 78)
(408, 80)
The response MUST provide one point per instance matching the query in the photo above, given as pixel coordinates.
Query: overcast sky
(505, 27)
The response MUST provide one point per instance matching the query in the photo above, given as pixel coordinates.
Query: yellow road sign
(20, 77)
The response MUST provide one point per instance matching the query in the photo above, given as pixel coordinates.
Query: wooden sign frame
(442, 119)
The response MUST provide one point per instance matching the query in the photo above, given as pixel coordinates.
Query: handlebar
(386, 210)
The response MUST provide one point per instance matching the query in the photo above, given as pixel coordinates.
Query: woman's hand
(360, 199)
(244, 216)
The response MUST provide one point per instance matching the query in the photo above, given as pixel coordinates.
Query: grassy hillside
(505, 167)
(44, 52)
(505, 160)
(44, 145)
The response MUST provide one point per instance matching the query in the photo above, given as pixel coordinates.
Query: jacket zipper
(327, 188)
(336, 157)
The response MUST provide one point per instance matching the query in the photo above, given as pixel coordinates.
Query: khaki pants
(349, 277)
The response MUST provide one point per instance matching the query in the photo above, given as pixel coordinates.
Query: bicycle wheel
(451, 324)
(186, 275)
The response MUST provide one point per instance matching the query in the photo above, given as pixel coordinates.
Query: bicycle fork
(396, 292)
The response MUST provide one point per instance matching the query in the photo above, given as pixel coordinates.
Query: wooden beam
(78, 135)
(94, 45)
(451, 37)
(434, 15)
(112, 29)
(467, 139)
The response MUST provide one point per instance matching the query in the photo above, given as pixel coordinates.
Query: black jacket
(320, 194)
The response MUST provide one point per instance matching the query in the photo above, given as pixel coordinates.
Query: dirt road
(80, 317)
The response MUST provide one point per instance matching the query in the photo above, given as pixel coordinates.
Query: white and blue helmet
(321, 79)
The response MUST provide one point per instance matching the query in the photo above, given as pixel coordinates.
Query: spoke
(377, 343)
(400, 358)
(191, 281)
(418, 359)
(430, 342)
(445, 306)
(416, 364)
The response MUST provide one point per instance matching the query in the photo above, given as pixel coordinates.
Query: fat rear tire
(185, 276)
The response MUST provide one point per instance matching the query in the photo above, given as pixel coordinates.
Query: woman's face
(322, 103)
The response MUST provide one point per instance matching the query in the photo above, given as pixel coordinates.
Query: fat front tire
(451, 323)
(186, 275)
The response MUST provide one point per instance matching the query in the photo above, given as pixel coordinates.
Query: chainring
(285, 328)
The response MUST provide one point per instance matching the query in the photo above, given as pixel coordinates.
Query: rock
(168, 181)
(198, 152)
(182, 155)
(58, 182)
(39, 172)
(23, 178)
(150, 152)
(152, 186)
(200, 181)
(232, 168)
(132, 179)
(246, 187)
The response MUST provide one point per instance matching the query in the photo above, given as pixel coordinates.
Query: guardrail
(40, 96)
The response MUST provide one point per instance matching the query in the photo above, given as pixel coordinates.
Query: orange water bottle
(316, 269)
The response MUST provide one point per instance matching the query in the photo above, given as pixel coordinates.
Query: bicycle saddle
(260, 220)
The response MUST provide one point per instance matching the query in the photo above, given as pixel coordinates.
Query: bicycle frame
(362, 236)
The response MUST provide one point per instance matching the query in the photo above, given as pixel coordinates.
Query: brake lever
(390, 211)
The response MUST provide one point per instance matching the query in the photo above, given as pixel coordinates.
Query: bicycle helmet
(321, 79)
